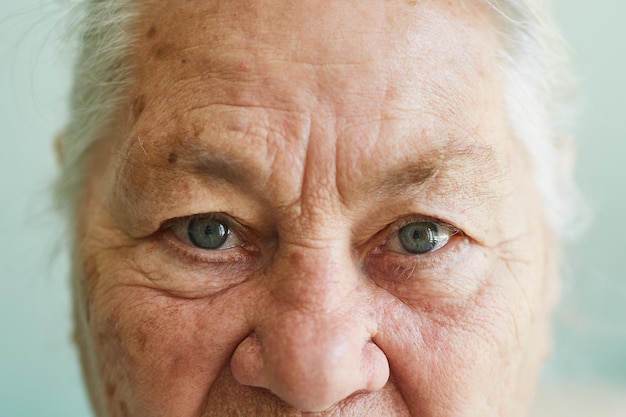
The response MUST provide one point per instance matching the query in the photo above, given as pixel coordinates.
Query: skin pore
(314, 131)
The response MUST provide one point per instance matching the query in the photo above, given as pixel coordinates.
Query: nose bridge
(312, 277)
(312, 344)
(318, 301)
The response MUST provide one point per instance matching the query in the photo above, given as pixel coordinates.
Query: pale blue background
(39, 375)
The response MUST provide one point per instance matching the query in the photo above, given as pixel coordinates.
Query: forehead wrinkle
(419, 175)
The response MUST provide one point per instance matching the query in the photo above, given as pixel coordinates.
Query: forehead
(357, 60)
(322, 90)
(290, 55)
(316, 31)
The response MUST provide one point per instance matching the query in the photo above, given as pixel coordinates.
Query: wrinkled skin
(315, 130)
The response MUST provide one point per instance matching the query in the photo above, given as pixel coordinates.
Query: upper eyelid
(400, 223)
(232, 223)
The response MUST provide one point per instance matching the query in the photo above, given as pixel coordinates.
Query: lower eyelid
(451, 273)
(186, 272)
(393, 265)
(427, 261)
(197, 255)
(400, 250)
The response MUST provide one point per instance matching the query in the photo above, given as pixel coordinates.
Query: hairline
(108, 39)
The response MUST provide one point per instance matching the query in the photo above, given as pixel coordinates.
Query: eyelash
(238, 253)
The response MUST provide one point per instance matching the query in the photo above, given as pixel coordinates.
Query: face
(312, 209)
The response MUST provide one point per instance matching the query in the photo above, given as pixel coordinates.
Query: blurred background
(39, 374)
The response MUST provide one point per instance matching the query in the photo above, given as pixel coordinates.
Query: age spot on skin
(142, 338)
(152, 32)
(172, 158)
(124, 409)
(163, 50)
(110, 390)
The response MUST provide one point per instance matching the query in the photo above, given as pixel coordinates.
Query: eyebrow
(404, 176)
(194, 157)
(410, 174)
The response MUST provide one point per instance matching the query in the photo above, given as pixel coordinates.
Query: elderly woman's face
(313, 207)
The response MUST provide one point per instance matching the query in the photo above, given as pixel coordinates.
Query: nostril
(374, 367)
(246, 363)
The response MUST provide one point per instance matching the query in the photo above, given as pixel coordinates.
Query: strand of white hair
(534, 63)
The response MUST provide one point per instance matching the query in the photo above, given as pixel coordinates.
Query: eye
(420, 237)
(206, 232)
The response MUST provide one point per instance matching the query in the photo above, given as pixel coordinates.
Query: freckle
(392, 93)
(110, 390)
(295, 258)
(163, 50)
(138, 105)
(183, 61)
(124, 409)
(172, 158)
(152, 32)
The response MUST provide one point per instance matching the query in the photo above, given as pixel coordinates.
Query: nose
(312, 345)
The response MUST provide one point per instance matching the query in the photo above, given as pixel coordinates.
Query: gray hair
(540, 92)
(535, 65)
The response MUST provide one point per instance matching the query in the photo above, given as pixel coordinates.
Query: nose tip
(311, 372)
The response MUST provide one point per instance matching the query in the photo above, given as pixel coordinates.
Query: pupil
(420, 237)
(207, 233)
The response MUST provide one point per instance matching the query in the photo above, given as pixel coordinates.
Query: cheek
(466, 352)
(155, 350)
